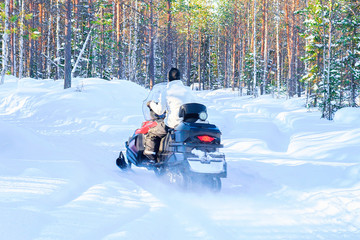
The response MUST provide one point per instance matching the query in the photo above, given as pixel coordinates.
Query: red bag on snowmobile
(146, 127)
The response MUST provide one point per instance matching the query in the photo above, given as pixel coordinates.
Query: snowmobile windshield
(154, 95)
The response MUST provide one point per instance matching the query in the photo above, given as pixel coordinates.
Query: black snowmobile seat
(190, 111)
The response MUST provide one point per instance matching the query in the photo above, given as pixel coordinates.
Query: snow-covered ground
(291, 175)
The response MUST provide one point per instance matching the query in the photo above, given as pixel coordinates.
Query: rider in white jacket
(171, 99)
(175, 95)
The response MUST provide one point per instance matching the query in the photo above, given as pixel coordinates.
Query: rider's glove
(148, 104)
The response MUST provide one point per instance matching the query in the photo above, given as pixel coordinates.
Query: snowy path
(290, 174)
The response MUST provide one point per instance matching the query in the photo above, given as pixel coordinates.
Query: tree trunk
(12, 41)
(90, 50)
(21, 53)
(325, 98)
(297, 55)
(329, 110)
(169, 47)
(40, 46)
(48, 69)
(151, 52)
(297, 65)
(353, 87)
(102, 46)
(290, 45)
(234, 48)
(254, 52)
(242, 63)
(189, 53)
(226, 64)
(249, 39)
(292, 52)
(67, 80)
(135, 45)
(58, 46)
(5, 41)
(119, 39)
(265, 46)
(287, 23)
(278, 47)
(209, 68)
(130, 30)
(218, 54)
(199, 60)
(113, 40)
(81, 53)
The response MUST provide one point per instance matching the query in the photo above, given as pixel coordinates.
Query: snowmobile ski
(120, 161)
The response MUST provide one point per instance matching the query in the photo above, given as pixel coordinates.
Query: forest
(281, 47)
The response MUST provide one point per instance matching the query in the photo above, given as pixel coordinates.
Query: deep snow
(291, 175)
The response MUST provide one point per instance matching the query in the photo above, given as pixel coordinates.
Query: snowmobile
(188, 155)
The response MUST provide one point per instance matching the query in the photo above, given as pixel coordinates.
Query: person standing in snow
(173, 96)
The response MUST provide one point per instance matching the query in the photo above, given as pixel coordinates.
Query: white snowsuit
(171, 99)
(173, 96)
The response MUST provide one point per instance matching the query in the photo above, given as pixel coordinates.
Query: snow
(348, 116)
(357, 64)
(291, 174)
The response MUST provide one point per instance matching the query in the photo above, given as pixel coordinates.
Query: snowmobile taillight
(206, 138)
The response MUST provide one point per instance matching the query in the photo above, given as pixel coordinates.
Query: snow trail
(291, 175)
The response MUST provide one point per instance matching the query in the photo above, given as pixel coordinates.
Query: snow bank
(22, 143)
(348, 115)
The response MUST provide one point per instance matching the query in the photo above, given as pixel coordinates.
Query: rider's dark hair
(174, 74)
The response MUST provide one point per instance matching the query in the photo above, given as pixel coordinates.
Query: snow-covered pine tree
(349, 25)
(331, 55)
